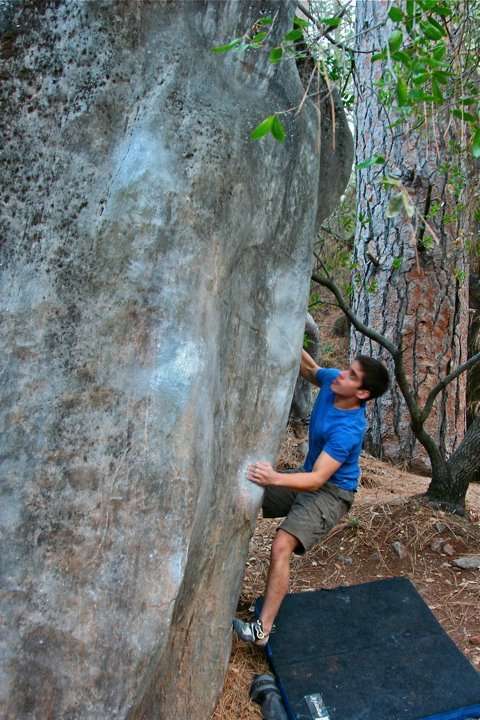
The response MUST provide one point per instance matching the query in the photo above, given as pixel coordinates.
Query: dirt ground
(389, 509)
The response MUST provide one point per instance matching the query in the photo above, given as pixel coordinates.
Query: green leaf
(379, 56)
(418, 65)
(426, 243)
(397, 263)
(275, 55)
(395, 14)
(436, 92)
(463, 115)
(442, 76)
(278, 130)
(331, 22)
(299, 22)
(264, 21)
(441, 9)
(410, 15)
(421, 96)
(439, 51)
(437, 25)
(434, 64)
(395, 41)
(293, 35)
(430, 31)
(402, 57)
(420, 78)
(219, 49)
(263, 128)
(307, 341)
(468, 100)
(374, 160)
(259, 37)
(476, 144)
(402, 92)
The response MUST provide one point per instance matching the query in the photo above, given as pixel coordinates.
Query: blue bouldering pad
(369, 652)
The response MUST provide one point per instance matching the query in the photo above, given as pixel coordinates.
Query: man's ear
(363, 394)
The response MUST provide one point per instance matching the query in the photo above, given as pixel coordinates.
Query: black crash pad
(369, 652)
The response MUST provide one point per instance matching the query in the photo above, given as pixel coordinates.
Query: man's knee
(283, 545)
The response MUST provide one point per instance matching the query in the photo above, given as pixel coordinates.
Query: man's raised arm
(308, 368)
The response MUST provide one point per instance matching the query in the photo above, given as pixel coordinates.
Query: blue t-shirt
(337, 432)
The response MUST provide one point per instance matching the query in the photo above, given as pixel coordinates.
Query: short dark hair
(375, 376)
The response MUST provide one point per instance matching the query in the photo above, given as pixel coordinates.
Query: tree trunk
(473, 377)
(414, 294)
(464, 464)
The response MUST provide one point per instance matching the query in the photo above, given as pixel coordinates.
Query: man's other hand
(308, 368)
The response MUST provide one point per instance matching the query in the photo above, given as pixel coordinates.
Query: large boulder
(155, 267)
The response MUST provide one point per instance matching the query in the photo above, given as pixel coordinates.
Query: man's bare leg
(257, 632)
(276, 588)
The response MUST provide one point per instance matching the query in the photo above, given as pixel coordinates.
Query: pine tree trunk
(415, 295)
(464, 464)
(473, 379)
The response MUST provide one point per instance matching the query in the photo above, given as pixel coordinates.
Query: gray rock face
(154, 269)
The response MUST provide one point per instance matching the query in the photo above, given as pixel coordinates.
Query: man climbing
(315, 498)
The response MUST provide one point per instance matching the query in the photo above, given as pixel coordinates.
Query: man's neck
(342, 403)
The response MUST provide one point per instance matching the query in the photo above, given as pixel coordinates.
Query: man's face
(348, 384)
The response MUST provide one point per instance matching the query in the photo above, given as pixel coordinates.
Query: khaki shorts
(309, 515)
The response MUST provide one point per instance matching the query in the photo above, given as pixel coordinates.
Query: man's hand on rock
(262, 473)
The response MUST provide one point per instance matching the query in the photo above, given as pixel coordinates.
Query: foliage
(300, 42)
(421, 71)
(432, 60)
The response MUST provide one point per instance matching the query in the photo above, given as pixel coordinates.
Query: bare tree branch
(325, 31)
(364, 329)
(334, 235)
(394, 351)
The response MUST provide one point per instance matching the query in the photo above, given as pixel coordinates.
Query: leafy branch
(420, 71)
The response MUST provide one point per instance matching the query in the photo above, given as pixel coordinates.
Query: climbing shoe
(251, 632)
